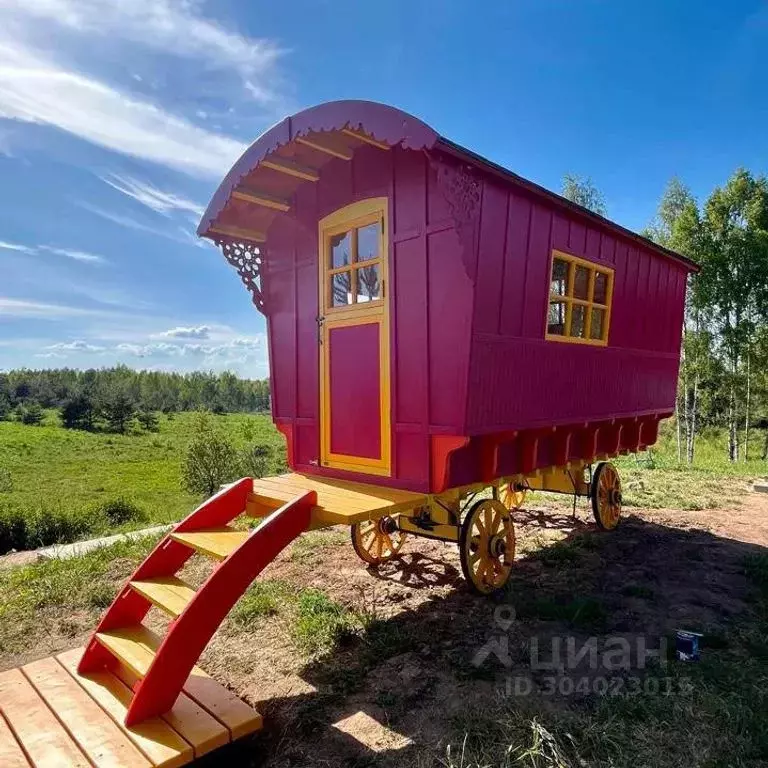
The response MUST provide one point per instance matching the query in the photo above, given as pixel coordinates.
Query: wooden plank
(44, 739)
(193, 723)
(169, 593)
(335, 149)
(364, 137)
(394, 495)
(257, 197)
(269, 489)
(214, 542)
(239, 718)
(159, 743)
(134, 646)
(290, 168)
(238, 232)
(94, 731)
(296, 484)
(11, 754)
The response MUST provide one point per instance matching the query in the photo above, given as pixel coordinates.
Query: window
(579, 301)
(354, 263)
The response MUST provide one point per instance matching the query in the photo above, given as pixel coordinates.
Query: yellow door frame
(348, 219)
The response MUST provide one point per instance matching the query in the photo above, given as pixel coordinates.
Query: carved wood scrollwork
(462, 190)
(248, 260)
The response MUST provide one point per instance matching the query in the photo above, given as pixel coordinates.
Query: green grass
(77, 478)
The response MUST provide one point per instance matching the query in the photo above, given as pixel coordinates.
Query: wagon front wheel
(377, 541)
(606, 496)
(512, 495)
(487, 546)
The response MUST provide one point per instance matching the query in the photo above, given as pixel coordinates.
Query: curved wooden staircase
(162, 665)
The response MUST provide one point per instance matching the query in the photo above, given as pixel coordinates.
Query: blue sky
(118, 119)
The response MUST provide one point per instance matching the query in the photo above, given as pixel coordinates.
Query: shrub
(120, 510)
(31, 415)
(78, 413)
(28, 528)
(148, 420)
(255, 460)
(210, 461)
(118, 409)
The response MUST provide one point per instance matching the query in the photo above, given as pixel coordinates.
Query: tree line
(112, 398)
(724, 357)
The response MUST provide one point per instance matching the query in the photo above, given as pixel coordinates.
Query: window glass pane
(559, 283)
(368, 241)
(368, 283)
(556, 320)
(601, 288)
(341, 247)
(341, 289)
(581, 283)
(579, 321)
(597, 323)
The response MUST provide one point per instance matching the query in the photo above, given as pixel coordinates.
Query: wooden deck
(52, 717)
(339, 502)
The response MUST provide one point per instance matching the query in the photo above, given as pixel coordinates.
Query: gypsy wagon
(443, 336)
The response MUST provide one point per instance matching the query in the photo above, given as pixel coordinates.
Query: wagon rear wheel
(487, 546)
(606, 496)
(512, 495)
(377, 541)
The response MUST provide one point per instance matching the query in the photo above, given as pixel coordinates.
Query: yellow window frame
(569, 300)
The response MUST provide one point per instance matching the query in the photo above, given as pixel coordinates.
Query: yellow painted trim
(260, 198)
(328, 150)
(360, 136)
(291, 168)
(350, 217)
(245, 234)
(569, 300)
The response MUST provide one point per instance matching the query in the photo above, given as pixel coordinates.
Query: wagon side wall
(430, 303)
(519, 380)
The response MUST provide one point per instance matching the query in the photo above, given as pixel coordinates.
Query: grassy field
(63, 480)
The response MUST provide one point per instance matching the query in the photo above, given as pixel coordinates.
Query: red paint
(470, 250)
(355, 391)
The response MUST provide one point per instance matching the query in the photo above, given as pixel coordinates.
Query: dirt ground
(394, 696)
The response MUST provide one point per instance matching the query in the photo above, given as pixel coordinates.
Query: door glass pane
(556, 320)
(341, 289)
(581, 283)
(579, 321)
(559, 282)
(368, 283)
(601, 288)
(341, 249)
(597, 323)
(368, 242)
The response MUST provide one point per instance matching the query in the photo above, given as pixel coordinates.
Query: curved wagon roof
(295, 150)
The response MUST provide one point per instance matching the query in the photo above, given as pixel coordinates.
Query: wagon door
(354, 338)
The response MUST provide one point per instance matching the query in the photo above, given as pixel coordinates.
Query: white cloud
(75, 346)
(168, 26)
(16, 247)
(43, 311)
(237, 349)
(33, 90)
(70, 253)
(198, 332)
(152, 197)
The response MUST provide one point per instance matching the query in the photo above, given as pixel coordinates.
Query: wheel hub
(387, 525)
(497, 546)
(615, 497)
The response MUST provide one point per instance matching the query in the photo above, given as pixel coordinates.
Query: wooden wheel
(377, 541)
(487, 546)
(606, 496)
(512, 495)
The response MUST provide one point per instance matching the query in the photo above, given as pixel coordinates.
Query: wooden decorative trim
(290, 168)
(261, 198)
(326, 148)
(239, 233)
(248, 260)
(365, 138)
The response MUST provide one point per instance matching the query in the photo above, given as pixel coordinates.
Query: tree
(582, 191)
(78, 412)
(256, 459)
(32, 415)
(210, 461)
(148, 420)
(118, 409)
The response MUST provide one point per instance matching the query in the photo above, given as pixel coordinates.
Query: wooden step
(168, 593)
(134, 646)
(214, 542)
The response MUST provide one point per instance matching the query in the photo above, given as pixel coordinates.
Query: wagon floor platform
(52, 716)
(339, 502)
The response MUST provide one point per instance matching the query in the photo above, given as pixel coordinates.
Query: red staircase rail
(194, 627)
(129, 607)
